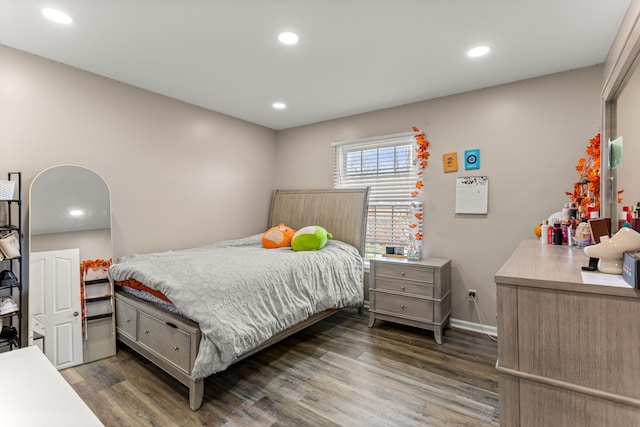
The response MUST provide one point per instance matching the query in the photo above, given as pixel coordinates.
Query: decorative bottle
(557, 233)
(544, 232)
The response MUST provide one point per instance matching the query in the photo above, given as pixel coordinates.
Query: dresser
(568, 352)
(413, 293)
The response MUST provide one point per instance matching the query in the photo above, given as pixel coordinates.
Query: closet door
(54, 281)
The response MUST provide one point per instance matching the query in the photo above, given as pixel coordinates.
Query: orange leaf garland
(422, 155)
(586, 190)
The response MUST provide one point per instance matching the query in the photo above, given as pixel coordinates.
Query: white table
(34, 393)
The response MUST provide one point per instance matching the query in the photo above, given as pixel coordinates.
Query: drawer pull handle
(176, 348)
(402, 306)
(402, 273)
(403, 289)
(127, 321)
(173, 325)
(146, 331)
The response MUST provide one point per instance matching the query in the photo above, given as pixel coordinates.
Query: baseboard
(464, 325)
(473, 327)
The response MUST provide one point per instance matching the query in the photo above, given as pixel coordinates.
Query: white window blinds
(386, 166)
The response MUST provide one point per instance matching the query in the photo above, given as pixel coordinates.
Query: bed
(192, 329)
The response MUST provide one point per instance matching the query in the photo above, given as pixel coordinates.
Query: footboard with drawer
(169, 341)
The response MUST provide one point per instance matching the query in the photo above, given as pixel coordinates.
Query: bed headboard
(342, 212)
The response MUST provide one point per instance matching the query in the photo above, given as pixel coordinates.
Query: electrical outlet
(472, 294)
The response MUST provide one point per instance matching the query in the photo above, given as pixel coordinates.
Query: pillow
(277, 237)
(310, 238)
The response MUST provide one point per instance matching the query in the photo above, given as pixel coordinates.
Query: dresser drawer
(170, 342)
(126, 316)
(404, 287)
(404, 272)
(405, 306)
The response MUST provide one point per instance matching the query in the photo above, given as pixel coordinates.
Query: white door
(54, 288)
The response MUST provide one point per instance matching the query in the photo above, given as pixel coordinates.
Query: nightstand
(413, 293)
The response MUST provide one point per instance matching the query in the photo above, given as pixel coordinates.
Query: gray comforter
(242, 294)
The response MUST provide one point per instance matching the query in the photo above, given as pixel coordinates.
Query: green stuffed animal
(310, 238)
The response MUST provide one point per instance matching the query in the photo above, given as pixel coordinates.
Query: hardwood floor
(335, 373)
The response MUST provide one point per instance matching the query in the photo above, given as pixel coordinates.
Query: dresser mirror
(69, 222)
(621, 107)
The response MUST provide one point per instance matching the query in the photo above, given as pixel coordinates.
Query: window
(386, 166)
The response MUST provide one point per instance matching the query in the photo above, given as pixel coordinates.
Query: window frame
(387, 191)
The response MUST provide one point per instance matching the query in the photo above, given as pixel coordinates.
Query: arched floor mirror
(71, 316)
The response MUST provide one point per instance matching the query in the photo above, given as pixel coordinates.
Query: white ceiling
(353, 56)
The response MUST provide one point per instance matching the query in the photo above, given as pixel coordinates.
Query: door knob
(75, 314)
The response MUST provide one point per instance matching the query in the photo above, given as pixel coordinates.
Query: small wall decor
(472, 195)
(472, 159)
(450, 162)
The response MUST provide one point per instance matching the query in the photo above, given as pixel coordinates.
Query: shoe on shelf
(8, 333)
(8, 305)
(7, 278)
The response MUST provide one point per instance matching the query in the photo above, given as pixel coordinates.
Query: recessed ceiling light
(57, 16)
(76, 212)
(288, 38)
(279, 105)
(478, 51)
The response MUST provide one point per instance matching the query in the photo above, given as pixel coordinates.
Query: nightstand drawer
(404, 272)
(403, 287)
(405, 306)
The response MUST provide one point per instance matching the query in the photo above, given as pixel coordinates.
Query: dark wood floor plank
(338, 372)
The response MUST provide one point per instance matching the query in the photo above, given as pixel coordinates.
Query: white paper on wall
(472, 195)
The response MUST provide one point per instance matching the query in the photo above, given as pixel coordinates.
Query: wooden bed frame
(342, 212)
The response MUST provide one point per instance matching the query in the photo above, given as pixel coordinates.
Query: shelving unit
(99, 318)
(98, 301)
(13, 223)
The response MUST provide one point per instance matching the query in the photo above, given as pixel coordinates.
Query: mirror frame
(28, 314)
(618, 68)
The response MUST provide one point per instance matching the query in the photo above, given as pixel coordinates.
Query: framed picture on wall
(450, 162)
(472, 159)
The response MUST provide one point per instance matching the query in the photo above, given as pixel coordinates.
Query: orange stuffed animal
(277, 237)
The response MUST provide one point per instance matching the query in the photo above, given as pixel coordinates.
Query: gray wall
(530, 135)
(179, 175)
